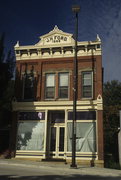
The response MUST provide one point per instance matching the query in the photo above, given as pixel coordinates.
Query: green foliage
(112, 104)
(112, 93)
(6, 70)
(6, 84)
(6, 94)
(2, 37)
(111, 163)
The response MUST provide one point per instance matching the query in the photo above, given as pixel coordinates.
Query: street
(16, 172)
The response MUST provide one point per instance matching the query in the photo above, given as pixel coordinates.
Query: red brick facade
(88, 61)
(57, 65)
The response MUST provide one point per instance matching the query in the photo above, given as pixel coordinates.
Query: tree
(112, 93)
(112, 104)
(6, 92)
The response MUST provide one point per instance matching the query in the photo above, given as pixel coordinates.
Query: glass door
(61, 138)
(57, 141)
(53, 139)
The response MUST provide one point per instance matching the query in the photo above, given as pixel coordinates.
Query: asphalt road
(16, 172)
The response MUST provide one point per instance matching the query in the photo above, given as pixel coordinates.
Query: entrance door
(57, 133)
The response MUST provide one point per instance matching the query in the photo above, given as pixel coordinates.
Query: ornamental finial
(17, 44)
(98, 38)
(56, 27)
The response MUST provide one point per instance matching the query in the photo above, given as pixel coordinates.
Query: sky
(26, 20)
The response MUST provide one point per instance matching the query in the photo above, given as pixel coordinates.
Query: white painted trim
(56, 105)
(43, 44)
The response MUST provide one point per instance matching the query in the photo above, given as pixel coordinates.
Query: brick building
(43, 105)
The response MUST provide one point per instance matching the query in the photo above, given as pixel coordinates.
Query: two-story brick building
(42, 111)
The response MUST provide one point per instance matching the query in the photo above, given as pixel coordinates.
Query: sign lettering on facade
(56, 39)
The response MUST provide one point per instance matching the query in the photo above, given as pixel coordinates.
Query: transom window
(87, 84)
(50, 86)
(63, 85)
(56, 116)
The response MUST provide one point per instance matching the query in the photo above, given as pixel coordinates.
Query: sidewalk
(61, 166)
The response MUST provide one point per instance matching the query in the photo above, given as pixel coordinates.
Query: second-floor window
(57, 85)
(28, 86)
(87, 84)
(63, 85)
(50, 86)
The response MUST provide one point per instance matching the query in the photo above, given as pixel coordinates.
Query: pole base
(73, 166)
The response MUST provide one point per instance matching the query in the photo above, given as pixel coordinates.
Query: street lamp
(76, 10)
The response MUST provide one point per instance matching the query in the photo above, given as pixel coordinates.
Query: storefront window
(85, 137)
(30, 136)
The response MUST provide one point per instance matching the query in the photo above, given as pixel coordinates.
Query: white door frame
(55, 154)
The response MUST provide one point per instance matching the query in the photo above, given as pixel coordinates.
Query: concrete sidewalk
(61, 166)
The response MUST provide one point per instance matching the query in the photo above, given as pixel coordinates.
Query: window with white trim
(63, 84)
(85, 137)
(50, 86)
(87, 88)
(85, 131)
(30, 135)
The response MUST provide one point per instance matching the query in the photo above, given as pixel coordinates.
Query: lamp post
(76, 10)
(119, 140)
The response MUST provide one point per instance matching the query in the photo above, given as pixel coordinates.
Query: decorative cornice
(55, 44)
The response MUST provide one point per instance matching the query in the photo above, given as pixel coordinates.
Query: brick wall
(57, 65)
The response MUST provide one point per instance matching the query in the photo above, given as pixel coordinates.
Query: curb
(103, 172)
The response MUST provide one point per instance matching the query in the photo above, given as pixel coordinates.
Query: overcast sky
(26, 20)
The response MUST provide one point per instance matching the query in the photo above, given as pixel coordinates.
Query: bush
(111, 163)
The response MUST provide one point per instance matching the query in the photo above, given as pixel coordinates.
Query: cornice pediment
(55, 37)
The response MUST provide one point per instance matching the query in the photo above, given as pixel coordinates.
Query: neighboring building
(42, 111)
